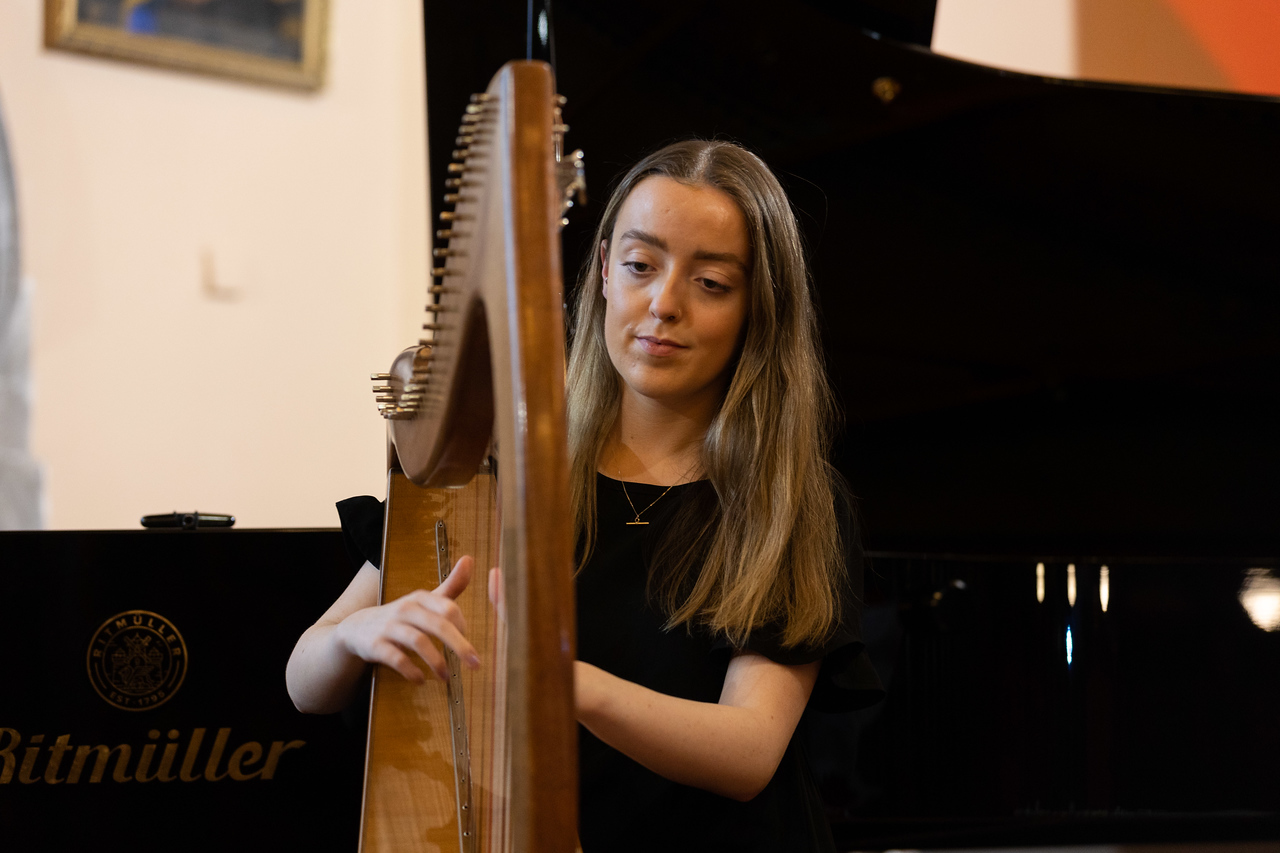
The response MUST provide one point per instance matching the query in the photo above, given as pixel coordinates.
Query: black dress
(624, 806)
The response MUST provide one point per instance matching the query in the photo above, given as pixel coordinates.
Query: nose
(665, 301)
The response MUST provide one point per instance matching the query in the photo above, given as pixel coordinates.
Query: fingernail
(473, 660)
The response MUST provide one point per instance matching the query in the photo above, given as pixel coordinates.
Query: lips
(658, 346)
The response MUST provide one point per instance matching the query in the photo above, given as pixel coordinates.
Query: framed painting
(278, 42)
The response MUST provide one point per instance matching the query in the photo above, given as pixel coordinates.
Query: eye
(715, 286)
(636, 267)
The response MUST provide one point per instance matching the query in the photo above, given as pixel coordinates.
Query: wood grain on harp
(476, 764)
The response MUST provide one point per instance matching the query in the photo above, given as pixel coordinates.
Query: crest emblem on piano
(137, 660)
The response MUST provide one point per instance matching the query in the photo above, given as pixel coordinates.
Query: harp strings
(499, 757)
(482, 679)
(490, 757)
(478, 680)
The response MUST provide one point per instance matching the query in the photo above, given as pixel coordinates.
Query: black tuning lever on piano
(188, 520)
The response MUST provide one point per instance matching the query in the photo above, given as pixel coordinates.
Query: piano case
(142, 693)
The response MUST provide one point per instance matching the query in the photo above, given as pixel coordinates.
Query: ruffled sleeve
(362, 519)
(847, 680)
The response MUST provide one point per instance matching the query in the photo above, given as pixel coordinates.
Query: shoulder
(362, 519)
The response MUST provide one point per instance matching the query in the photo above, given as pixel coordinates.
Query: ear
(604, 268)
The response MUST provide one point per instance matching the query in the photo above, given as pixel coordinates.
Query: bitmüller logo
(137, 660)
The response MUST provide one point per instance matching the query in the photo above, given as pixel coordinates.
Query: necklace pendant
(637, 521)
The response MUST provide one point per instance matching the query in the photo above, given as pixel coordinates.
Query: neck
(656, 443)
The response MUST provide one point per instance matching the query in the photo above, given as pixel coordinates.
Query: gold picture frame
(260, 41)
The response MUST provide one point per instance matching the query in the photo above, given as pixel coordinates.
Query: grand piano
(1050, 311)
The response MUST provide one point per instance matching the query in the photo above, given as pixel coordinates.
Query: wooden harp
(488, 761)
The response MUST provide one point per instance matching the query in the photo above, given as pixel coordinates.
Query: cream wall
(1033, 36)
(217, 268)
(1191, 44)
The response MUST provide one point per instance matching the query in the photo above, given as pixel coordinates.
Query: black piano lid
(1049, 304)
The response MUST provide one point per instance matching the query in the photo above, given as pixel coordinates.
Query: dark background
(1049, 306)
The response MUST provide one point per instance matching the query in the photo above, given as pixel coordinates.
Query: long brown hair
(767, 551)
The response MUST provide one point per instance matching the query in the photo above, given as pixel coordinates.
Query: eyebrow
(658, 243)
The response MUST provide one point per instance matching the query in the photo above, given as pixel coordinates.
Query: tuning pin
(461, 153)
(469, 119)
(474, 109)
(388, 398)
(445, 234)
(379, 377)
(441, 272)
(453, 183)
(449, 216)
(481, 97)
(453, 198)
(560, 128)
(457, 168)
(463, 141)
(560, 100)
(435, 327)
(442, 253)
(382, 389)
(440, 289)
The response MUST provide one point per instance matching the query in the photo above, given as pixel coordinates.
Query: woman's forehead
(696, 219)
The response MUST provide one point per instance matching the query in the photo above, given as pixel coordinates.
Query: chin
(669, 393)
(651, 390)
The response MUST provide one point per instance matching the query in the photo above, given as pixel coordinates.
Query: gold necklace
(655, 500)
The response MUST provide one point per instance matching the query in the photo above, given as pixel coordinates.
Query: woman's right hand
(394, 633)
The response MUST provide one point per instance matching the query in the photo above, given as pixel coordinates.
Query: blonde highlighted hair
(768, 551)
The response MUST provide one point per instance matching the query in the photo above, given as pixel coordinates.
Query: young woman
(719, 571)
